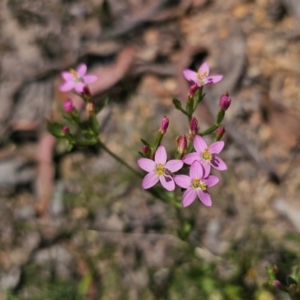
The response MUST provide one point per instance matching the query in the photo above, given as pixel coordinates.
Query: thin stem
(209, 130)
(119, 159)
(153, 192)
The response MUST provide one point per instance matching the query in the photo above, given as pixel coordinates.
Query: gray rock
(10, 279)
(56, 257)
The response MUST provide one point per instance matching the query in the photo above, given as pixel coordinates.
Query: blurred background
(76, 225)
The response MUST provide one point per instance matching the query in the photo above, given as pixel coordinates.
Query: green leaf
(55, 129)
(141, 154)
(75, 116)
(145, 142)
(94, 124)
(291, 280)
(101, 105)
(178, 106)
(86, 142)
(70, 147)
(176, 103)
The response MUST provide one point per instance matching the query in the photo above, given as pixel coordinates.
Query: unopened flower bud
(193, 126)
(90, 108)
(181, 144)
(65, 130)
(193, 89)
(277, 283)
(164, 125)
(225, 101)
(146, 150)
(220, 132)
(87, 94)
(68, 105)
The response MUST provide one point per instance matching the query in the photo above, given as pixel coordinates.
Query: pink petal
(199, 144)
(150, 180)
(218, 163)
(204, 69)
(160, 155)
(174, 165)
(67, 76)
(191, 157)
(167, 182)
(79, 87)
(146, 164)
(196, 170)
(183, 181)
(204, 197)
(206, 166)
(211, 180)
(190, 75)
(90, 78)
(67, 86)
(188, 197)
(214, 78)
(81, 70)
(216, 147)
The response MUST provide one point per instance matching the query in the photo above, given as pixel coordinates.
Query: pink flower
(76, 79)
(201, 77)
(206, 155)
(159, 169)
(196, 185)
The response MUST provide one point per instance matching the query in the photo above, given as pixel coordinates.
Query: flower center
(206, 154)
(75, 74)
(160, 169)
(197, 183)
(202, 78)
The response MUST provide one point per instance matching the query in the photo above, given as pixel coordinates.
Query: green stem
(119, 159)
(209, 130)
(153, 191)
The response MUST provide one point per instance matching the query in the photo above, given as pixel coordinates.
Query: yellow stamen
(73, 72)
(202, 77)
(160, 169)
(197, 183)
(207, 154)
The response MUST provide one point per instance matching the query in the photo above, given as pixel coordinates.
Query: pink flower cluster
(199, 179)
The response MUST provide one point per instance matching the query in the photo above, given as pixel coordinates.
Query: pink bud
(87, 93)
(225, 101)
(193, 126)
(146, 150)
(220, 132)
(68, 105)
(193, 89)
(181, 144)
(65, 130)
(277, 283)
(164, 125)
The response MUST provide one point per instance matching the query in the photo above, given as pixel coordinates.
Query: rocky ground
(76, 225)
